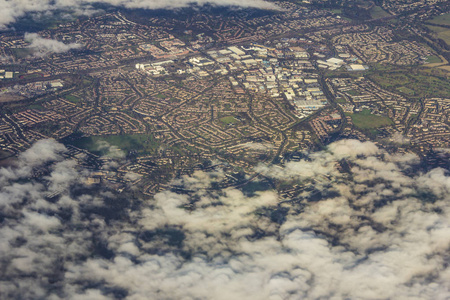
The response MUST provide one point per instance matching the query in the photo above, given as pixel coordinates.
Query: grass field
(28, 76)
(441, 20)
(339, 12)
(72, 99)
(377, 12)
(437, 29)
(252, 187)
(433, 59)
(445, 36)
(141, 143)
(22, 52)
(366, 120)
(405, 90)
(36, 106)
(413, 83)
(174, 100)
(228, 120)
(5, 154)
(353, 92)
(441, 33)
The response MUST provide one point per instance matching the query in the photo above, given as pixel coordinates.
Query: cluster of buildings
(6, 74)
(378, 46)
(221, 89)
(285, 72)
(168, 48)
(326, 123)
(431, 127)
(34, 89)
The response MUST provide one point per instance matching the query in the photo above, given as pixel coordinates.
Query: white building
(236, 50)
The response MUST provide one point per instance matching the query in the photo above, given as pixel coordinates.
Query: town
(158, 97)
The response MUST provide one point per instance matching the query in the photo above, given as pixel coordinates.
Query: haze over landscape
(224, 149)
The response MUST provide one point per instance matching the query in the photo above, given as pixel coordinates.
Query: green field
(436, 29)
(412, 83)
(433, 59)
(5, 154)
(174, 100)
(377, 12)
(366, 120)
(339, 12)
(353, 92)
(405, 90)
(441, 20)
(228, 120)
(252, 187)
(441, 33)
(36, 106)
(22, 52)
(141, 143)
(72, 99)
(445, 36)
(336, 11)
(29, 76)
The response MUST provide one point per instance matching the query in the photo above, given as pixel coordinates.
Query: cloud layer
(365, 226)
(11, 10)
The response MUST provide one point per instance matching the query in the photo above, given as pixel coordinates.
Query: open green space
(44, 21)
(29, 76)
(377, 12)
(36, 106)
(405, 90)
(353, 92)
(445, 36)
(21, 52)
(433, 59)
(340, 100)
(390, 80)
(252, 187)
(141, 143)
(366, 120)
(363, 3)
(73, 99)
(442, 33)
(412, 82)
(228, 120)
(336, 11)
(339, 12)
(5, 154)
(441, 20)
(174, 100)
(436, 29)
(87, 81)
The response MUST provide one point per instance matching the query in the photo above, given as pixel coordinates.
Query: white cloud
(41, 152)
(111, 151)
(42, 46)
(375, 238)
